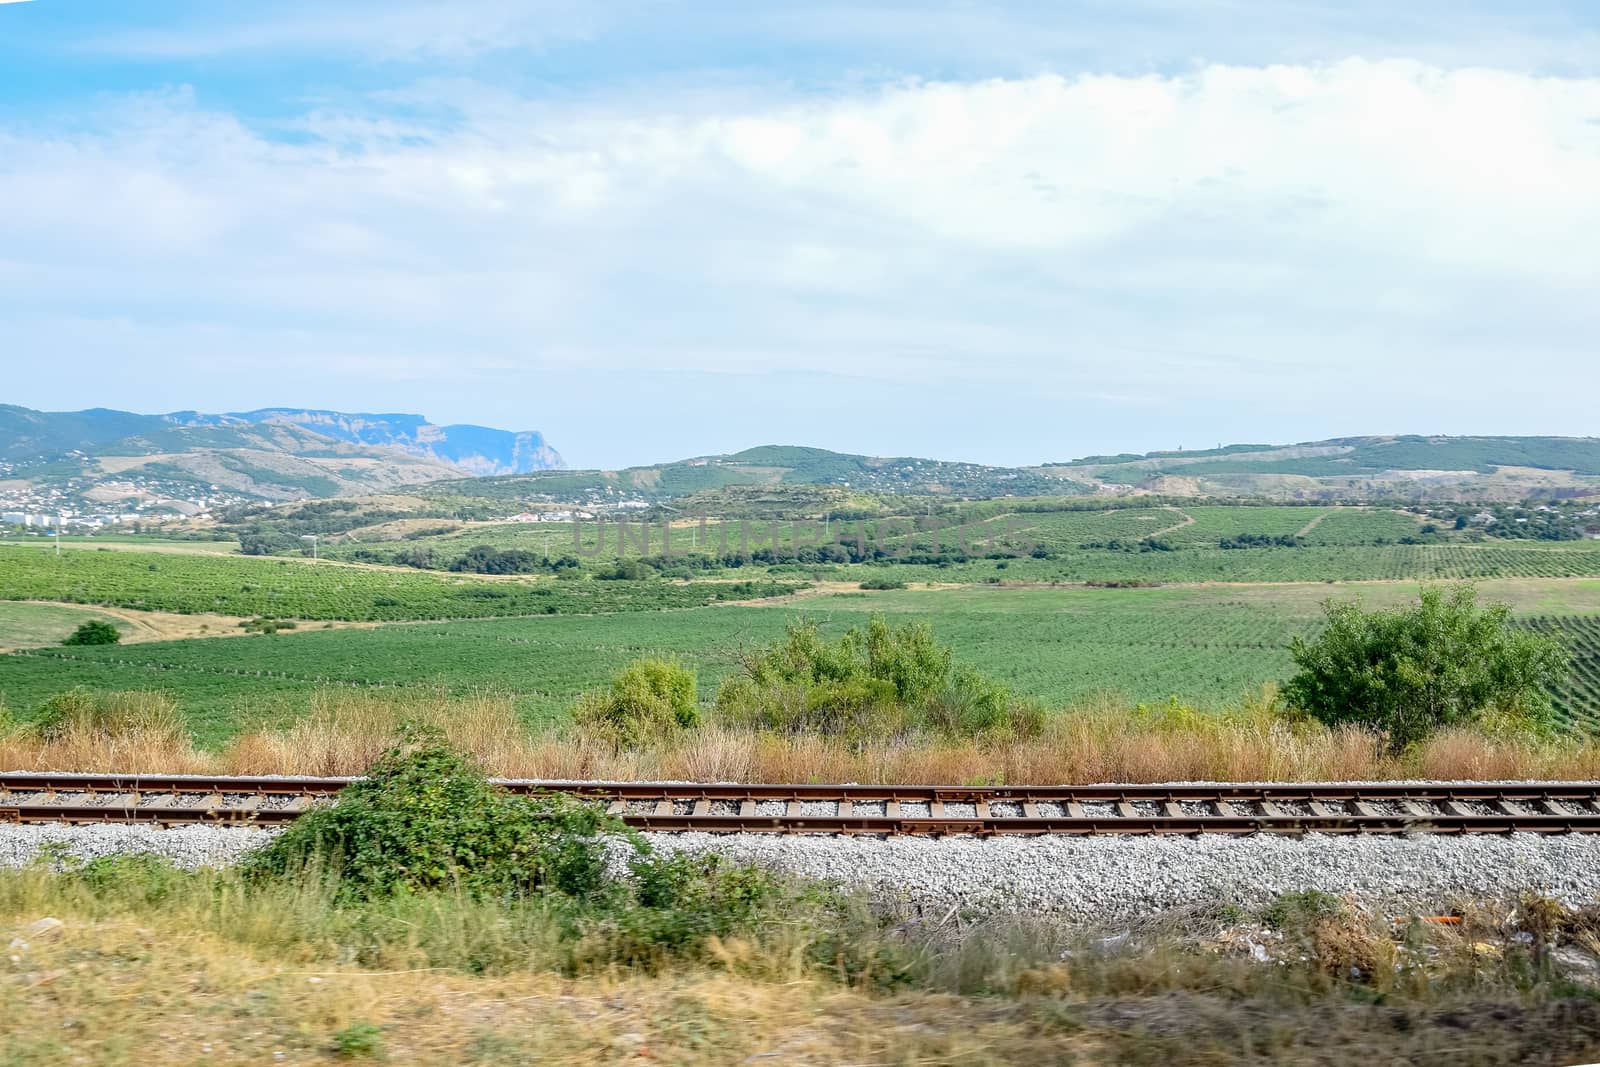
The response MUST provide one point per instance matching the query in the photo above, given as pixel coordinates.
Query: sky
(1005, 232)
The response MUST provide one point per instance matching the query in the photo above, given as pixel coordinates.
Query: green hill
(766, 465)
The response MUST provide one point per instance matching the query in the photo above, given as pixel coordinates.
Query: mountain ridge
(186, 460)
(1346, 468)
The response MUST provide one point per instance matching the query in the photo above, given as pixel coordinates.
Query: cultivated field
(323, 590)
(1190, 620)
(1205, 645)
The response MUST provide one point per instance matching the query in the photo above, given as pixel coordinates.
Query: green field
(30, 625)
(1204, 623)
(1076, 546)
(1207, 645)
(301, 589)
(126, 541)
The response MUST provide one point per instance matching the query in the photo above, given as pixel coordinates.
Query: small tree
(1408, 672)
(94, 632)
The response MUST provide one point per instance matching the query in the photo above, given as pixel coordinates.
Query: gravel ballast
(186, 846)
(1091, 878)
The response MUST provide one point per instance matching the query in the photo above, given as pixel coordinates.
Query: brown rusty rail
(1227, 808)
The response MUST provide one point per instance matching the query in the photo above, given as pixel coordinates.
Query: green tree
(1410, 671)
(94, 632)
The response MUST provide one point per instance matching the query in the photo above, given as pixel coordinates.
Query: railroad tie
(1553, 808)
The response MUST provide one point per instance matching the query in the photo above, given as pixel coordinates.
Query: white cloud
(1231, 237)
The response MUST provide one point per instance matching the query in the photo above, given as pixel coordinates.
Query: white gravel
(1092, 878)
(186, 846)
(1108, 877)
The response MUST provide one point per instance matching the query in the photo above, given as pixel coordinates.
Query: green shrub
(427, 854)
(649, 699)
(1298, 910)
(1408, 672)
(94, 632)
(424, 818)
(134, 877)
(883, 583)
(883, 682)
(358, 1041)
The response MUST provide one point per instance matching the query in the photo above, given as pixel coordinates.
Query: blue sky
(1005, 232)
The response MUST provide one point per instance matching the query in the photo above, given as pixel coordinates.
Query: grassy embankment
(205, 973)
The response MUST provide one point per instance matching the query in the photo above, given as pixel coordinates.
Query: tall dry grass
(112, 732)
(343, 732)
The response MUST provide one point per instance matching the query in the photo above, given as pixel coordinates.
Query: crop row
(191, 584)
(1577, 699)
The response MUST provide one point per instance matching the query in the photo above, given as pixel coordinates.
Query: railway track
(1383, 808)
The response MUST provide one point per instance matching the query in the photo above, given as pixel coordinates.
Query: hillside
(1393, 467)
(120, 462)
(1352, 468)
(766, 465)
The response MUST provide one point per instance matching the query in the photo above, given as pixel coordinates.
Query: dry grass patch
(143, 982)
(343, 731)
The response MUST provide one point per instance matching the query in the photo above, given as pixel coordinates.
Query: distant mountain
(478, 450)
(1352, 468)
(100, 457)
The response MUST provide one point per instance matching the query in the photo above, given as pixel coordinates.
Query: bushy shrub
(94, 632)
(1411, 671)
(424, 818)
(649, 699)
(427, 851)
(882, 682)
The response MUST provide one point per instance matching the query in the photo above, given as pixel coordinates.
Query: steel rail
(1226, 808)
